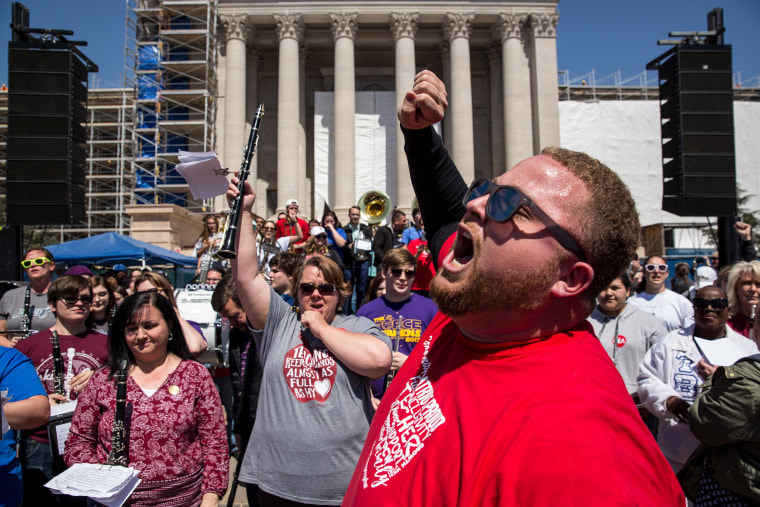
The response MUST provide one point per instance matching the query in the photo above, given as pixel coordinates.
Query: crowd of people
(501, 348)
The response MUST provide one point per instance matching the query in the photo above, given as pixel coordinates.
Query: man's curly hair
(608, 226)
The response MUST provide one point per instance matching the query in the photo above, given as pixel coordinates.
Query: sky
(599, 36)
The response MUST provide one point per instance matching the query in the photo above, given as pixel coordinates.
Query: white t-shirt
(673, 310)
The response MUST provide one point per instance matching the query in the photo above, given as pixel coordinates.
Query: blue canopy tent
(111, 248)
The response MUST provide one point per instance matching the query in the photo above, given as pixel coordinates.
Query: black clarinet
(227, 249)
(118, 454)
(26, 320)
(110, 318)
(57, 365)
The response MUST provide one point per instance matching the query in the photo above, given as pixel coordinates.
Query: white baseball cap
(291, 202)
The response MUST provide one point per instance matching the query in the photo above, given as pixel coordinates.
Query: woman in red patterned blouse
(175, 428)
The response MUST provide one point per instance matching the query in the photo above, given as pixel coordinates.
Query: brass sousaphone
(374, 206)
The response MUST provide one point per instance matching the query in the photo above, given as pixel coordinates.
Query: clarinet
(228, 248)
(392, 373)
(26, 321)
(111, 317)
(118, 454)
(751, 320)
(57, 365)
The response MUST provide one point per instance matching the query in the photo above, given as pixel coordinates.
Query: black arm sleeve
(747, 250)
(437, 184)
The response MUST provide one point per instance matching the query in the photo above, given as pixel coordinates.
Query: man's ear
(575, 279)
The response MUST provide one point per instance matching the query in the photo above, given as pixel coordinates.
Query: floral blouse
(172, 434)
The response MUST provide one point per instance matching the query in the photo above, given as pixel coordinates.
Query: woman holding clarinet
(175, 434)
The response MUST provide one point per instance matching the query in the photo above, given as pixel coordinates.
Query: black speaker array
(696, 109)
(47, 97)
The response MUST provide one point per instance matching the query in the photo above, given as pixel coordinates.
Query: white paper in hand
(203, 173)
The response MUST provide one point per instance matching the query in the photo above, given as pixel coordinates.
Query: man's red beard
(482, 291)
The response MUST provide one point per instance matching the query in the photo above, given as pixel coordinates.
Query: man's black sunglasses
(504, 202)
(717, 304)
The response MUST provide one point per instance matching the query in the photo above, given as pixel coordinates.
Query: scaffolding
(171, 57)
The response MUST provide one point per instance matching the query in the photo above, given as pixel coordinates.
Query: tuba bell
(374, 206)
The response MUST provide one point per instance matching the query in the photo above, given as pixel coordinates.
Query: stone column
(235, 133)
(457, 31)
(446, 69)
(290, 32)
(545, 95)
(252, 103)
(343, 184)
(518, 112)
(496, 89)
(404, 28)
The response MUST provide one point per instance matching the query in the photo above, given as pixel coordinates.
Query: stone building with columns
(328, 73)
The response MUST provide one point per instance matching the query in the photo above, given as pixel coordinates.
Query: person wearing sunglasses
(675, 367)
(318, 365)
(39, 267)
(83, 351)
(317, 245)
(672, 309)
(401, 314)
(270, 245)
(724, 469)
(508, 386)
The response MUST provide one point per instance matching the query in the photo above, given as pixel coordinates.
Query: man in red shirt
(509, 398)
(287, 226)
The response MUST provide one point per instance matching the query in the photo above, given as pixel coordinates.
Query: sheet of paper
(109, 485)
(61, 434)
(63, 409)
(203, 173)
(720, 352)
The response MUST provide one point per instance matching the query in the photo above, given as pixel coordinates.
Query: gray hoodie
(636, 331)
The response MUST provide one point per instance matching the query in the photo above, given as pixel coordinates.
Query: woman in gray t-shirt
(314, 405)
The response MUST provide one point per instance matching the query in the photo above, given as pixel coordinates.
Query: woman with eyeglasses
(674, 368)
(39, 267)
(82, 351)
(314, 406)
(270, 245)
(743, 296)
(176, 437)
(317, 245)
(103, 304)
(673, 310)
(158, 283)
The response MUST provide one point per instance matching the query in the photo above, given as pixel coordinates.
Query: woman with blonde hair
(151, 281)
(743, 296)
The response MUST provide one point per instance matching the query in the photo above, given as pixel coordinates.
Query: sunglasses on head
(717, 304)
(71, 301)
(656, 267)
(504, 202)
(37, 261)
(325, 289)
(408, 272)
